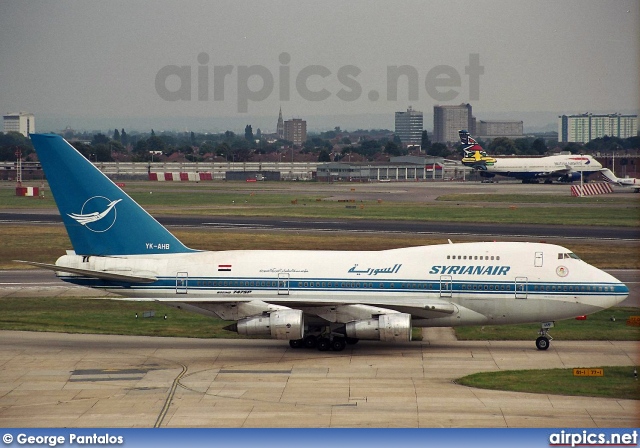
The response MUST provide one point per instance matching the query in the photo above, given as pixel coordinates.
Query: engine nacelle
(386, 327)
(570, 177)
(281, 324)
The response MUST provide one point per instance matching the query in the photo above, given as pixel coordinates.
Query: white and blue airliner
(323, 299)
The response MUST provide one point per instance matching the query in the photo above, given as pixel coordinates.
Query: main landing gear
(323, 342)
(544, 340)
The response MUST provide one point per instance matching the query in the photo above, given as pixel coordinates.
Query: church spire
(280, 125)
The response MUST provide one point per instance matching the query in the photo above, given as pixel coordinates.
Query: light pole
(581, 183)
(613, 162)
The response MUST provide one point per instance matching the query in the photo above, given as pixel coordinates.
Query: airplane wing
(334, 310)
(93, 274)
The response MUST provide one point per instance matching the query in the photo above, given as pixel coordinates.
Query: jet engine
(386, 327)
(570, 177)
(281, 324)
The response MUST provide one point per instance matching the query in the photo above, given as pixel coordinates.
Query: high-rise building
(448, 120)
(583, 128)
(22, 122)
(280, 126)
(490, 129)
(295, 130)
(409, 126)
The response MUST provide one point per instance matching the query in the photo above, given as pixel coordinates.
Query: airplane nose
(624, 292)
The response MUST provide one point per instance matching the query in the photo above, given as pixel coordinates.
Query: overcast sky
(108, 58)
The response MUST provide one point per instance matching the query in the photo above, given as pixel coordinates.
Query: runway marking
(225, 224)
(93, 380)
(172, 392)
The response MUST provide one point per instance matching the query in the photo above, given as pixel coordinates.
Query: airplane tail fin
(100, 218)
(606, 172)
(465, 137)
(470, 144)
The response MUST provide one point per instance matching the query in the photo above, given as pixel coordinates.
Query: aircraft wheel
(351, 341)
(310, 341)
(296, 343)
(338, 344)
(542, 343)
(323, 344)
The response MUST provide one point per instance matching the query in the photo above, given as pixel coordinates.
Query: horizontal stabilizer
(93, 274)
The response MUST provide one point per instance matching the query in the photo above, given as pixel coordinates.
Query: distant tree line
(11, 142)
(334, 145)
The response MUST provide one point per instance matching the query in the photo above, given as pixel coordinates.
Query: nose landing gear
(544, 338)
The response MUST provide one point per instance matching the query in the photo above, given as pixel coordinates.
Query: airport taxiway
(63, 380)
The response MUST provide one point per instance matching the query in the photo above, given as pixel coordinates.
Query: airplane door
(521, 287)
(182, 279)
(446, 286)
(283, 284)
(538, 260)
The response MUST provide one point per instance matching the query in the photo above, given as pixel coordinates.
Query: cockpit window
(568, 255)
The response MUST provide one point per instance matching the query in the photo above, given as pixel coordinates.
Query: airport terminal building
(399, 169)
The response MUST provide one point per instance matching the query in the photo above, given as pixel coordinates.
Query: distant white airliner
(562, 168)
(323, 299)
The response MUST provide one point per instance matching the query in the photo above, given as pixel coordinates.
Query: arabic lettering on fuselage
(469, 270)
(375, 271)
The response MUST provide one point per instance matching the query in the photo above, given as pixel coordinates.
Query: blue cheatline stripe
(409, 286)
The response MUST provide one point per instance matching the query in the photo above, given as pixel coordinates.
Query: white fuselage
(442, 285)
(520, 167)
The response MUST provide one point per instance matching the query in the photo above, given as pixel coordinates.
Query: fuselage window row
(474, 257)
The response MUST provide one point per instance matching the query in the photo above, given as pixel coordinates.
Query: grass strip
(105, 316)
(607, 325)
(202, 199)
(617, 382)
